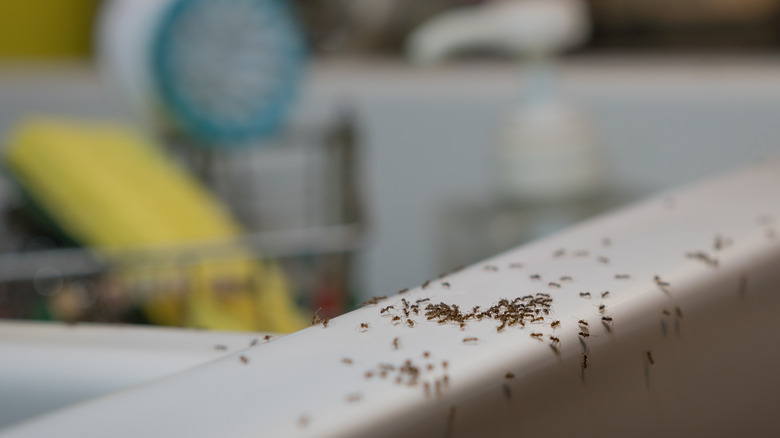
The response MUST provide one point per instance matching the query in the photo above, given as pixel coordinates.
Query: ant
(510, 375)
(470, 339)
(584, 361)
(536, 277)
(678, 311)
(317, 320)
(650, 358)
(244, 359)
(553, 284)
(403, 291)
(493, 268)
(566, 278)
(603, 260)
(395, 343)
(537, 336)
(386, 309)
(584, 334)
(515, 265)
(606, 319)
(660, 283)
(347, 361)
(583, 322)
(602, 308)
(605, 294)
(220, 347)
(426, 354)
(354, 398)
(585, 294)
(410, 322)
(369, 374)
(364, 326)
(267, 338)
(622, 276)
(425, 285)
(445, 284)
(555, 340)
(555, 324)
(396, 318)
(559, 253)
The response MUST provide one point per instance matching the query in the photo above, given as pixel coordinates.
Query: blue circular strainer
(227, 70)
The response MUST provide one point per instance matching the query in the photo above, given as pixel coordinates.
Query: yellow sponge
(114, 191)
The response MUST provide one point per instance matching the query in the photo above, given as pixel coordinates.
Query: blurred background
(241, 164)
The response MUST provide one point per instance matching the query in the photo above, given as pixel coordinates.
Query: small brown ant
(537, 336)
(347, 361)
(396, 318)
(584, 361)
(244, 359)
(606, 319)
(555, 324)
(267, 337)
(650, 358)
(605, 294)
(445, 284)
(368, 374)
(395, 343)
(666, 312)
(622, 276)
(602, 308)
(426, 354)
(410, 322)
(566, 278)
(364, 326)
(352, 398)
(585, 294)
(536, 277)
(444, 364)
(678, 311)
(555, 340)
(470, 339)
(386, 309)
(583, 322)
(584, 334)
(510, 375)
(553, 284)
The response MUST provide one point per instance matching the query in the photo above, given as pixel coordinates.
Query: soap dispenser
(547, 149)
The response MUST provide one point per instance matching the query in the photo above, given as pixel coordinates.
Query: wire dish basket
(295, 195)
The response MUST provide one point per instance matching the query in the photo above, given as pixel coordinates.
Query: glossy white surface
(713, 369)
(46, 366)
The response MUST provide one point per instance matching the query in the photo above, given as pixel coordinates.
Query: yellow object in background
(115, 192)
(46, 28)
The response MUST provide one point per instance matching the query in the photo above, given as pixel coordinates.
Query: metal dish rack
(297, 196)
